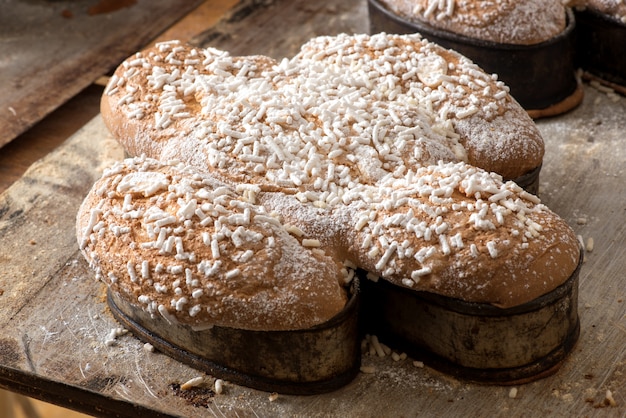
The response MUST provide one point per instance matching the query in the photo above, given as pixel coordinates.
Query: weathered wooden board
(51, 50)
(278, 28)
(54, 321)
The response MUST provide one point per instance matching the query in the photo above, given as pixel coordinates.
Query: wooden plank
(204, 16)
(278, 28)
(58, 322)
(52, 50)
(47, 134)
(54, 321)
(36, 221)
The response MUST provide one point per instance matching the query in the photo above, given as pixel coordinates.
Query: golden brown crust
(454, 111)
(495, 131)
(502, 21)
(185, 246)
(616, 9)
(450, 229)
(365, 147)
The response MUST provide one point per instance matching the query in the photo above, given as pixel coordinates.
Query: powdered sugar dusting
(360, 152)
(502, 21)
(196, 251)
(613, 8)
(437, 225)
(375, 105)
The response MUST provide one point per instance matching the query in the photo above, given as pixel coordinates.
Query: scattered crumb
(378, 348)
(148, 347)
(589, 246)
(368, 369)
(608, 399)
(513, 393)
(590, 394)
(111, 338)
(219, 386)
(614, 97)
(419, 364)
(373, 347)
(581, 221)
(600, 87)
(196, 381)
(567, 397)
(273, 396)
(196, 396)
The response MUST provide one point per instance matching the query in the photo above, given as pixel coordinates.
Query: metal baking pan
(542, 77)
(600, 42)
(529, 181)
(301, 362)
(474, 341)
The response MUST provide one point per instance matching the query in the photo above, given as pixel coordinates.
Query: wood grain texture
(54, 321)
(51, 50)
(49, 133)
(13, 405)
(277, 28)
(57, 321)
(204, 16)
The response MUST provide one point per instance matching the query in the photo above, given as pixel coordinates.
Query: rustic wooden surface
(51, 50)
(54, 321)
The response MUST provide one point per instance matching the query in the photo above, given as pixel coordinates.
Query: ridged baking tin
(476, 341)
(299, 362)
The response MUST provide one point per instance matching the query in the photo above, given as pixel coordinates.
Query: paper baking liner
(475, 341)
(301, 362)
(542, 77)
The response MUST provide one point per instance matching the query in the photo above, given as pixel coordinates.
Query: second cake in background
(528, 44)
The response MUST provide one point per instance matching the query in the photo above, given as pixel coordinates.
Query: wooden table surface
(54, 320)
(53, 50)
